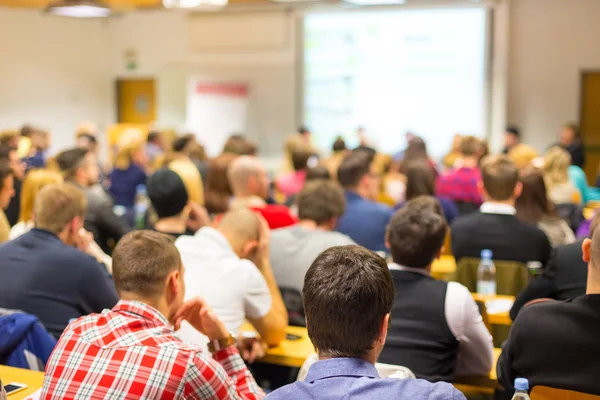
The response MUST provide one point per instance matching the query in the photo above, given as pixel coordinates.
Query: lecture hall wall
(57, 72)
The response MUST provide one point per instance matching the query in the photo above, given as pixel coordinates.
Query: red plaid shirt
(460, 185)
(131, 352)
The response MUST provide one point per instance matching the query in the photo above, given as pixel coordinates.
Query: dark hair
(416, 232)
(320, 201)
(420, 180)
(500, 176)
(318, 172)
(239, 145)
(218, 190)
(5, 151)
(513, 130)
(416, 150)
(300, 158)
(303, 130)
(5, 171)
(353, 168)
(339, 144)
(348, 290)
(180, 143)
(167, 193)
(533, 204)
(27, 130)
(69, 161)
(153, 136)
(142, 260)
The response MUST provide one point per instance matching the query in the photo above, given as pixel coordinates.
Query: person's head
(339, 145)
(300, 159)
(533, 203)
(556, 166)
(86, 128)
(569, 134)
(239, 145)
(9, 138)
(27, 130)
(33, 183)
(456, 141)
(470, 146)
(500, 179)
(355, 174)
(10, 154)
(512, 137)
(218, 190)
(241, 228)
(522, 155)
(87, 142)
(591, 255)
(321, 201)
(155, 137)
(416, 150)
(40, 140)
(147, 267)
(184, 144)
(304, 131)
(318, 172)
(416, 232)
(420, 180)
(131, 149)
(167, 194)
(248, 177)
(348, 295)
(7, 188)
(79, 165)
(60, 208)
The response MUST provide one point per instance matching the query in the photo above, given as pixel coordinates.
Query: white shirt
(490, 207)
(476, 348)
(233, 287)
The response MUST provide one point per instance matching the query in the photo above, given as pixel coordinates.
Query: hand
(198, 313)
(251, 348)
(198, 217)
(83, 239)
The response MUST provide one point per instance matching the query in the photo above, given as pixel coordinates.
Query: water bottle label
(486, 288)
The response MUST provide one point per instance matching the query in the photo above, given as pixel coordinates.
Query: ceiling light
(375, 2)
(201, 4)
(78, 9)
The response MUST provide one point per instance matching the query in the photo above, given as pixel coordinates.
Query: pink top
(292, 183)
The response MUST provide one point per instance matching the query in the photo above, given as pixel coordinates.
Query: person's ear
(333, 223)
(387, 240)
(385, 325)
(586, 249)
(173, 284)
(249, 247)
(518, 190)
(481, 189)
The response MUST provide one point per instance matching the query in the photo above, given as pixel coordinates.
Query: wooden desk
(443, 268)
(289, 353)
(502, 318)
(480, 384)
(33, 379)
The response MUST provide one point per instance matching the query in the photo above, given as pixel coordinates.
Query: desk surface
(443, 267)
(500, 318)
(33, 379)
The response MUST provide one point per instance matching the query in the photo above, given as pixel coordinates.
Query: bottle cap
(486, 254)
(521, 384)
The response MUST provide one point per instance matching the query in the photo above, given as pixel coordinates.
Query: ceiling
(119, 5)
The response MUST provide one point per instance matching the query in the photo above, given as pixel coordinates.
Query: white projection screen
(391, 72)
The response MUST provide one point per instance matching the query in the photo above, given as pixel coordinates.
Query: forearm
(272, 326)
(95, 251)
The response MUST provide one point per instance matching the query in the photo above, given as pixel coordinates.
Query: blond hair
(34, 182)
(522, 155)
(556, 166)
(131, 141)
(189, 174)
(58, 204)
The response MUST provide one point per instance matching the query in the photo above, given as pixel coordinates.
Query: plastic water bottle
(486, 274)
(521, 389)
(141, 206)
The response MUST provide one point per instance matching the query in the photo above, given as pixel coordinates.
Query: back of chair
(292, 298)
(548, 393)
(511, 276)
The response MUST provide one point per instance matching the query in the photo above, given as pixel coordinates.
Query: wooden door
(590, 121)
(136, 101)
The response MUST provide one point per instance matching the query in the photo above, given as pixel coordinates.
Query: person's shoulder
(466, 221)
(285, 392)
(337, 238)
(420, 389)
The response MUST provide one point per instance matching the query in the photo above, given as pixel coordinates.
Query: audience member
(348, 295)
(451, 158)
(579, 179)
(512, 137)
(200, 159)
(80, 167)
(416, 151)
(185, 167)
(293, 249)
(177, 215)
(461, 184)
(25, 140)
(523, 155)
(48, 273)
(229, 267)
(570, 140)
(553, 343)
(250, 185)
(129, 171)
(155, 147)
(495, 226)
(436, 345)
(420, 181)
(556, 172)
(299, 141)
(338, 152)
(364, 220)
(534, 207)
(239, 145)
(9, 138)
(289, 184)
(218, 192)
(18, 171)
(132, 352)
(40, 142)
(7, 191)
(318, 172)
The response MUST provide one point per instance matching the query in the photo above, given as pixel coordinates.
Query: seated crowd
(160, 312)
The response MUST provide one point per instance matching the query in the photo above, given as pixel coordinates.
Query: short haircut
(469, 146)
(513, 130)
(7, 136)
(595, 237)
(242, 224)
(27, 130)
(153, 136)
(69, 161)
(240, 171)
(573, 127)
(240, 145)
(58, 204)
(300, 158)
(142, 260)
(353, 168)
(348, 290)
(303, 130)
(181, 143)
(320, 201)
(5, 171)
(318, 172)
(416, 232)
(339, 145)
(420, 179)
(500, 176)
(167, 193)
(5, 151)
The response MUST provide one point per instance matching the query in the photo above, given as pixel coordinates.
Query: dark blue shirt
(357, 379)
(123, 183)
(448, 206)
(55, 282)
(365, 221)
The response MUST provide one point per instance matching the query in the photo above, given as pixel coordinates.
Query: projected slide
(395, 71)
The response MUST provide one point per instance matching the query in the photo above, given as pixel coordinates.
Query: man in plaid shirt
(462, 183)
(131, 351)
